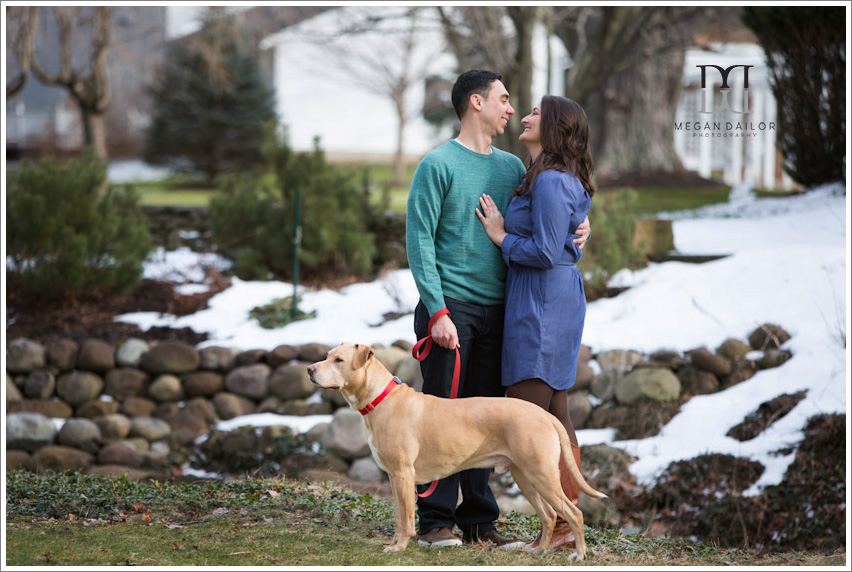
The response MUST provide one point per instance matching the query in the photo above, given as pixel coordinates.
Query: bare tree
(500, 39)
(21, 24)
(382, 51)
(627, 64)
(86, 78)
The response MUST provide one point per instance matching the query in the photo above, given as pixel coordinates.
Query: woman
(545, 298)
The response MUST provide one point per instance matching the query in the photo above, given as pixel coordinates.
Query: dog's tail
(571, 463)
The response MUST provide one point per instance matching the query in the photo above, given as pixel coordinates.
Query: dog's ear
(363, 354)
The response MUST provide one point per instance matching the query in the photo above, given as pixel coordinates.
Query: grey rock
(165, 408)
(366, 470)
(82, 434)
(186, 426)
(124, 382)
(655, 384)
(60, 459)
(129, 354)
(17, 459)
(605, 384)
(619, 360)
(113, 426)
(149, 428)
(40, 384)
(768, 336)
(291, 381)
(404, 345)
(29, 431)
(138, 406)
(229, 405)
(584, 378)
(77, 387)
(313, 353)
(139, 443)
(96, 408)
(166, 387)
(282, 355)
(741, 371)
(579, 408)
(120, 454)
(170, 357)
(13, 394)
(203, 383)
(301, 407)
(62, 354)
(347, 435)
(249, 357)
(96, 355)
(24, 355)
(733, 348)
(271, 404)
(317, 432)
(704, 359)
(201, 408)
(696, 381)
(54, 408)
(217, 358)
(408, 371)
(250, 381)
(773, 358)
(390, 357)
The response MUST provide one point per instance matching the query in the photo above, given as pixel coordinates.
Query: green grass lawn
(385, 195)
(61, 520)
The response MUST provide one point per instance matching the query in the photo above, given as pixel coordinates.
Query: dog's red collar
(372, 405)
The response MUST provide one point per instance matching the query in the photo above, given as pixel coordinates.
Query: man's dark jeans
(480, 330)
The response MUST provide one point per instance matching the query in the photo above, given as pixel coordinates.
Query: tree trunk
(94, 129)
(633, 117)
(399, 156)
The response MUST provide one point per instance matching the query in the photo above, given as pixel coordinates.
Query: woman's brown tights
(549, 399)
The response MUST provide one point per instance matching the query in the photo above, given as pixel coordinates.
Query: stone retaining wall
(143, 405)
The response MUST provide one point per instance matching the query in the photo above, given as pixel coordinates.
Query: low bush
(68, 232)
(252, 217)
(611, 246)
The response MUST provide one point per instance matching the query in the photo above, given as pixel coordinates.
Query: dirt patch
(79, 318)
(644, 418)
(702, 497)
(767, 413)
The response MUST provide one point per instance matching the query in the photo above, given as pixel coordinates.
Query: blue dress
(545, 298)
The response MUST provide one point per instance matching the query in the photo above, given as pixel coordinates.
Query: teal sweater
(449, 252)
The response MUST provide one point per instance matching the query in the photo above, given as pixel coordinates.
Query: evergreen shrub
(67, 232)
(210, 103)
(806, 55)
(611, 245)
(252, 217)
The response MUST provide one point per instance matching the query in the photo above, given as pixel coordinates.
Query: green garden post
(297, 240)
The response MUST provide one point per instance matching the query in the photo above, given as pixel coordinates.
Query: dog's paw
(575, 557)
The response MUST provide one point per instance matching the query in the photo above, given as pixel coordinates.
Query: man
(456, 267)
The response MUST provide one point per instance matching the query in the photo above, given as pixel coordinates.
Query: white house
(740, 142)
(327, 86)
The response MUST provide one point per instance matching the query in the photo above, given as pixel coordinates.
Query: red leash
(426, 345)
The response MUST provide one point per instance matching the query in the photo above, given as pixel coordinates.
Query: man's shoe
(439, 537)
(496, 539)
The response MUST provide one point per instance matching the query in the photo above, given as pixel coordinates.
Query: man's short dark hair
(470, 82)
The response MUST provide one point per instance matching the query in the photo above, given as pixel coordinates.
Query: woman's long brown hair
(565, 144)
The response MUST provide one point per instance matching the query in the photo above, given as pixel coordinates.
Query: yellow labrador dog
(417, 438)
